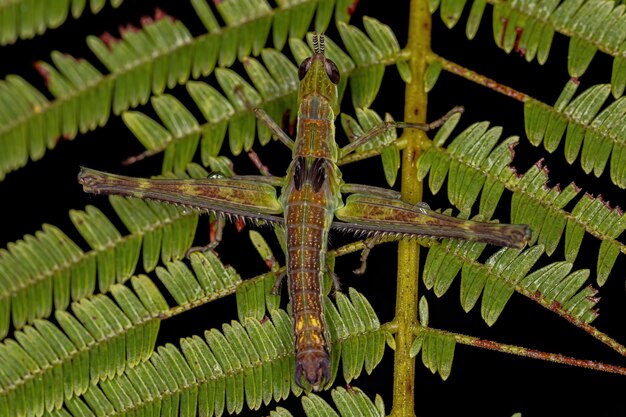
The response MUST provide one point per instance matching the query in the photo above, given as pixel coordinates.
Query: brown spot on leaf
(352, 8)
(42, 71)
(160, 14)
(146, 20)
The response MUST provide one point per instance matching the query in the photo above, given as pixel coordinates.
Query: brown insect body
(310, 199)
(311, 204)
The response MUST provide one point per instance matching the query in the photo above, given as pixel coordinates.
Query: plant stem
(532, 353)
(477, 78)
(408, 251)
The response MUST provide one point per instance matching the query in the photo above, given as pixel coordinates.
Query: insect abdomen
(308, 218)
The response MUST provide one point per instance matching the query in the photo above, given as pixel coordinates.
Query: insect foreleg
(267, 121)
(381, 128)
(273, 127)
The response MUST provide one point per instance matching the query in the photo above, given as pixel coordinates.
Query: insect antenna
(316, 47)
(321, 51)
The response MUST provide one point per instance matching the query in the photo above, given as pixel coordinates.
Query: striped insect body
(310, 200)
(310, 205)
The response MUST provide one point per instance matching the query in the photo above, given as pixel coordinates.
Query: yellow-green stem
(408, 251)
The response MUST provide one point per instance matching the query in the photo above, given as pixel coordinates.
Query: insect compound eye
(332, 71)
(304, 68)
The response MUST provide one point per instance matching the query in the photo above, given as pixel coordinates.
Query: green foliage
(79, 327)
(591, 26)
(47, 364)
(349, 402)
(600, 133)
(28, 18)
(473, 166)
(43, 272)
(368, 119)
(142, 63)
(275, 90)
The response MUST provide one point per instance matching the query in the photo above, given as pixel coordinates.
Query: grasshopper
(310, 205)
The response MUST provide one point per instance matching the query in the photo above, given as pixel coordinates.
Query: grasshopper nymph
(310, 204)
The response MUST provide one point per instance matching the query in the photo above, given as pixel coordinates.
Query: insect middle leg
(217, 230)
(381, 128)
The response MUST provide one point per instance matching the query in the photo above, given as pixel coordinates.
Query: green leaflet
(85, 97)
(450, 11)
(58, 269)
(475, 16)
(528, 27)
(595, 135)
(249, 363)
(51, 363)
(532, 203)
(431, 75)
(275, 87)
(501, 275)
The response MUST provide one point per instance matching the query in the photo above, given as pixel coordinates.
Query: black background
(482, 382)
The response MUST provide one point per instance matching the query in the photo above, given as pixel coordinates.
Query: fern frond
(351, 321)
(44, 271)
(470, 153)
(506, 272)
(437, 348)
(595, 216)
(437, 351)
(528, 26)
(541, 207)
(474, 168)
(209, 281)
(255, 298)
(250, 363)
(280, 412)
(350, 402)
(368, 59)
(25, 19)
(600, 135)
(163, 53)
(104, 338)
(275, 90)
(47, 363)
